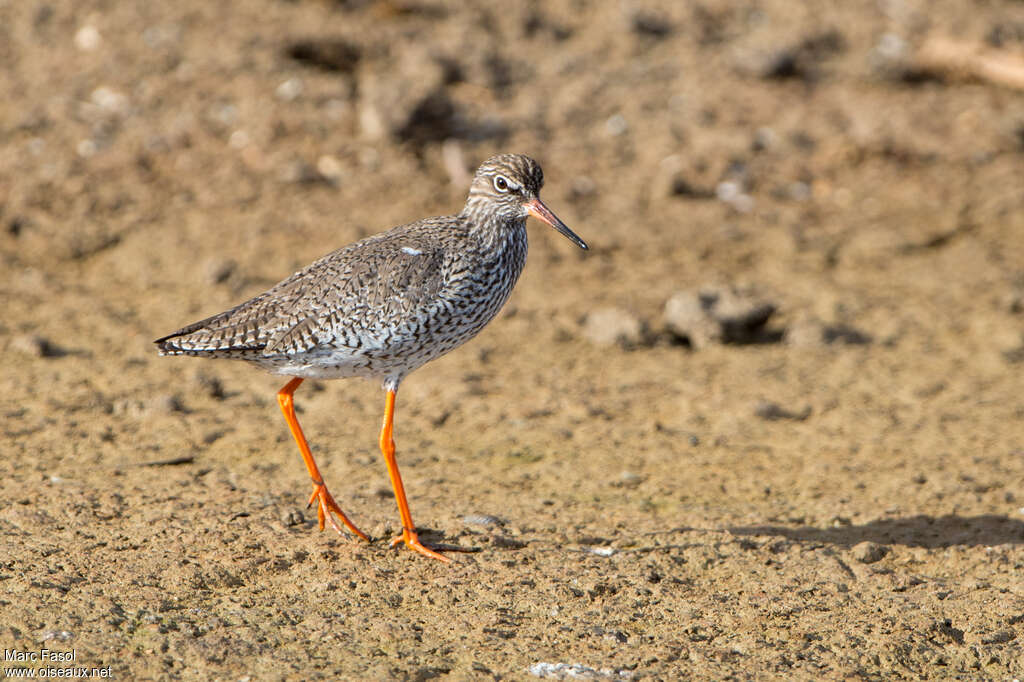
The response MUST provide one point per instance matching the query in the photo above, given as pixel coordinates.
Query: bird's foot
(326, 508)
(412, 541)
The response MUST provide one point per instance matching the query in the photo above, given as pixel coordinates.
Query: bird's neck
(493, 233)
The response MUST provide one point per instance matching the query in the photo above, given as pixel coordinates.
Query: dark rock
(946, 632)
(773, 412)
(801, 59)
(326, 54)
(650, 24)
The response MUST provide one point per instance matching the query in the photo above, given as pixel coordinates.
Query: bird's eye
(500, 183)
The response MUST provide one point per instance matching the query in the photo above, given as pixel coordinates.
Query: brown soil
(839, 497)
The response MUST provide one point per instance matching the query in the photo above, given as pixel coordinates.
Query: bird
(382, 307)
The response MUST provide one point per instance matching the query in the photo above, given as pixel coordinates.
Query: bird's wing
(242, 329)
(362, 293)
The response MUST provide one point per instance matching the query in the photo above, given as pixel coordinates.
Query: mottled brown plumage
(388, 304)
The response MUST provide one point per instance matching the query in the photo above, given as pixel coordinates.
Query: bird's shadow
(930, 532)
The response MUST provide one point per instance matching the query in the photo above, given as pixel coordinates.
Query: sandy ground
(837, 495)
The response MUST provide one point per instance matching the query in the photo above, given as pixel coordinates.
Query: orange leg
(325, 502)
(387, 448)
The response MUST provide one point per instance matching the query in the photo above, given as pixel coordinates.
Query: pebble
(713, 315)
(999, 637)
(86, 148)
(289, 90)
(35, 346)
(672, 180)
(482, 520)
(239, 139)
(505, 542)
(630, 479)
(805, 332)
(164, 404)
(890, 56)
(583, 186)
(650, 24)
(869, 552)
(87, 38)
(616, 125)
(808, 332)
(576, 671)
(613, 326)
(218, 270)
(210, 384)
(109, 100)
(292, 517)
(330, 169)
(774, 412)
(731, 192)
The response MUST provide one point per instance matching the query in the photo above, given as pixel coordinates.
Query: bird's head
(507, 187)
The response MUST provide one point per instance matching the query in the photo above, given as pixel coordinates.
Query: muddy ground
(837, 491)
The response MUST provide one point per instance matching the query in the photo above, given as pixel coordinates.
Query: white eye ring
(502, 184)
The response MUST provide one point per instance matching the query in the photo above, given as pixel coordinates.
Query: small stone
(505, 542)
(630, 479)
(718, 315)
(329, 54)
(292, 517)
(687, 318)
(764, 138)
(1000, 637)
(109, 100)
(481, 520)
(613, 326)
(299, 172)
(583, 186)
(773, 412)
(86, 148)
(165, 404)
(212, 436)
(211, 385)
(35, 346)
(218, 270)
(673, 180)
(891, 56)
(845, 334)
(288, 90)
(87, 38)
(239, 139)
(947, 632)
(650, 24)
(616, 125)
(805, 332)
(329, 168)
(731, 192)
(798, 191)
(869, 552)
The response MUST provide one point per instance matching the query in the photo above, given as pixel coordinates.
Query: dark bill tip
(538, 210)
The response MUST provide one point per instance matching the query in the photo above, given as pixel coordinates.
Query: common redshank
(385, 306)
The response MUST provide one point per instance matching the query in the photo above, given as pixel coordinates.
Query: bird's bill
(538, 210)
